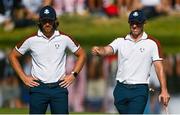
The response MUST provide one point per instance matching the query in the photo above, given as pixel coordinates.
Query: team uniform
(48, 55)
(48, 66)
(134, 63)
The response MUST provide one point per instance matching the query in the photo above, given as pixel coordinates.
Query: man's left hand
(67, 81)
(164, 98)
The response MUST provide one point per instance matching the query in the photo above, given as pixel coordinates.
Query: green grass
(13, 111)
(89, 31)
(26, 111)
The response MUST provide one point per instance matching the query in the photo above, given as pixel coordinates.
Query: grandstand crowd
(22, 13)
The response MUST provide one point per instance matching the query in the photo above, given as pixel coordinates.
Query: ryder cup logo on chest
(57, 46)
(141, 50)
(46, 11)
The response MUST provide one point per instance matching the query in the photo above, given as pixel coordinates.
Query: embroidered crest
(141, 49)
(57, 46)
(135, 14)
(46, 11)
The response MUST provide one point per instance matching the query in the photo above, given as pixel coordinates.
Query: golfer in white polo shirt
(48, 81)
(136, 54)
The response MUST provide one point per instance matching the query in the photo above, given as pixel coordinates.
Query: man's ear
(56, 23)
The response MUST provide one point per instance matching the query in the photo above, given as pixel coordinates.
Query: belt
(131, 85)
(54, 84)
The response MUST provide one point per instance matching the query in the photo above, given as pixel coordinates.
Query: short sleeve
(72, 45)
(156, 52)
(115, 44)
(23, 46)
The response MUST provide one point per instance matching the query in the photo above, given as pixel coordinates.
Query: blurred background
(90, 22)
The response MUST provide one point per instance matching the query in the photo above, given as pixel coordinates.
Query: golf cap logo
(135, 14)
(46, 11)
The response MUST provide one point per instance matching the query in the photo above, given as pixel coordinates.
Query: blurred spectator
(58, 6)
(10, 88)
(178, 65)
(169, 71)
(2, 66)
(126, 6)
(95, 7)
(27, 65)
(69, 6)
(177, 5)
(6, 10)
(177, 73)
(79, 7)
(174, 103)
(153, 8)
(27, 14)
(111, 8)
(111, 62)
(96, 85)
(32, 8)
(77, 89)
(155, 106)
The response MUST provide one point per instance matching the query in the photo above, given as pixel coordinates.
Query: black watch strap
(74, 73)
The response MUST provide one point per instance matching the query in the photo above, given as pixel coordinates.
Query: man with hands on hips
(48, 81)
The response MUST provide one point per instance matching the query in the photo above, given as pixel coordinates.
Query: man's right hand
(96, 50)
(30, 81)
(102, 51)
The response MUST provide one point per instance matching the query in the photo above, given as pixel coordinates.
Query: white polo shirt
(135, 58)
(48, 55)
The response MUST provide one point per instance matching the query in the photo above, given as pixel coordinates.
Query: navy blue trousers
(48, 94)
(130, 99)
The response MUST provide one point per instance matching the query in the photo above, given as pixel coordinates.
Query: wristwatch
(74, 73)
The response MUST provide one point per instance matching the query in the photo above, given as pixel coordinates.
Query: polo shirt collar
(56, 33)
(144, 36)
